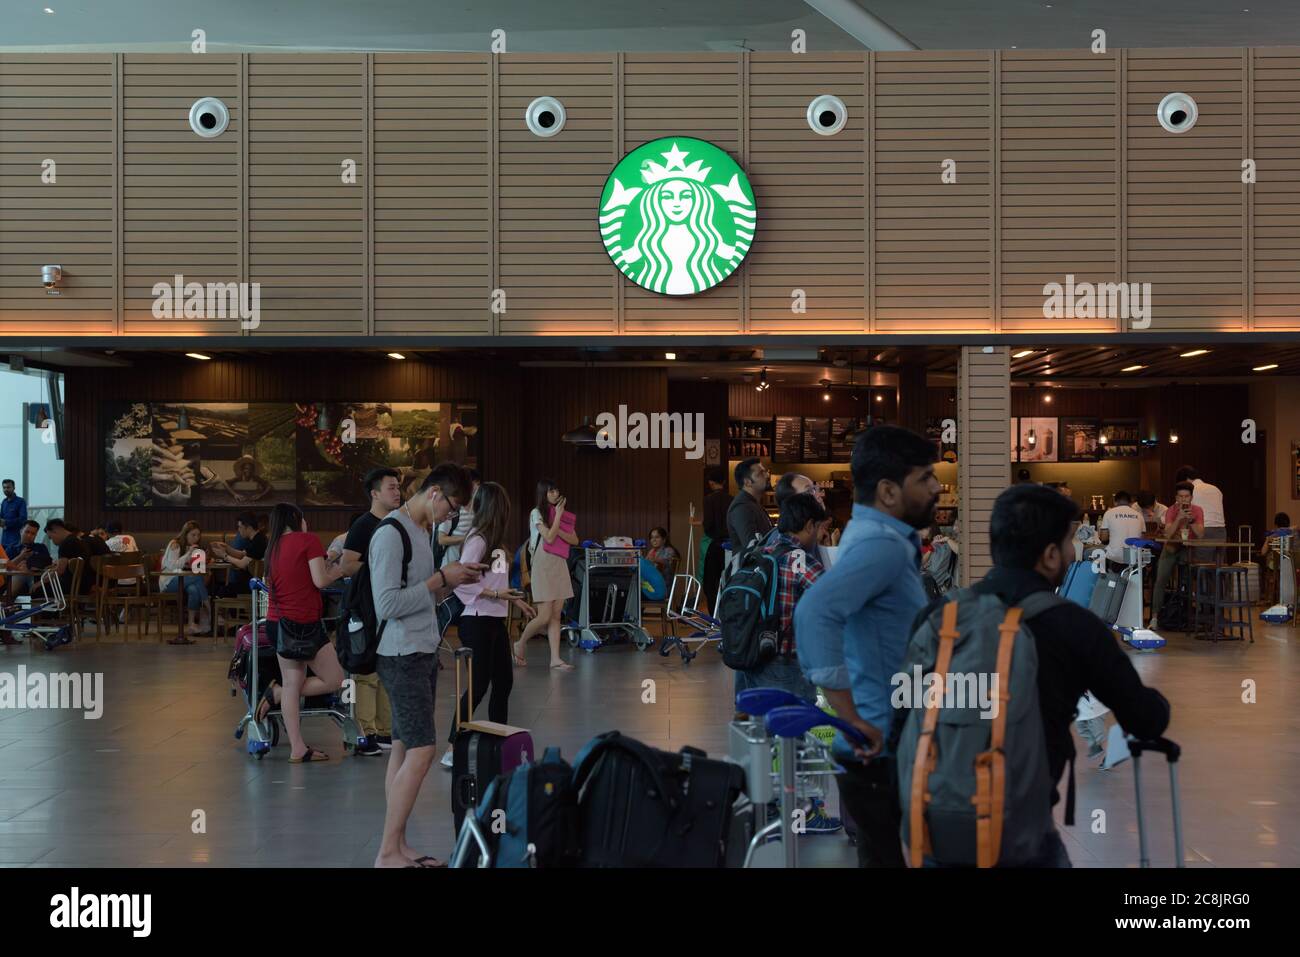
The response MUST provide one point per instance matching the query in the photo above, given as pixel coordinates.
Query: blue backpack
(529, 817)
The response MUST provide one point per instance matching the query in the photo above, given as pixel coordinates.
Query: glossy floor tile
(159, 779)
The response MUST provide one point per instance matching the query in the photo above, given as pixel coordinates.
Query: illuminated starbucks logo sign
(677, 216)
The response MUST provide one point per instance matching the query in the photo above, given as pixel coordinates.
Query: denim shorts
(783, 673)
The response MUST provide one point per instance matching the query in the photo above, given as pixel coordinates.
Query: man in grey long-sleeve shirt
(746, 516)
(408, 645)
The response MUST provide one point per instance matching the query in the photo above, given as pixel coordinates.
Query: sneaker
(818, 821)
(447, 760)
(385, 741)
(369, 747)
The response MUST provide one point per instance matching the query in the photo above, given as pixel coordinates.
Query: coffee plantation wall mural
(256, 454)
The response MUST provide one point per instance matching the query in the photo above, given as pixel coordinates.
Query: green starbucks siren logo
(673, 226)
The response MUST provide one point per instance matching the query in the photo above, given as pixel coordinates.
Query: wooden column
(983, 449)
(912, 396)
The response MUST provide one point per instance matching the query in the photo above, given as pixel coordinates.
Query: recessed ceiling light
(1264, 368)
(396, 355)
(197, 355)
(670, 356)
(880, 398)
(49, 10)
(1022, 353)
(1194, 352)
(1132, 368)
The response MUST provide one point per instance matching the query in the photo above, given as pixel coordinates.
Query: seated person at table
(661, 552)
(30, 556)
(1281, 522)
(1120, 523)
(249, 546)
(334, 553)
(1182, 517)
(70, 546)
(97, 542)
(182, 552)
(1153, 513)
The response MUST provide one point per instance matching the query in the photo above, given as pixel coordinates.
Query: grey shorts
(412, 683)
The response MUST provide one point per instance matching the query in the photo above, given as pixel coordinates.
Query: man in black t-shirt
(714, 521)
(70, 546)
(384, 489)
(249, 546)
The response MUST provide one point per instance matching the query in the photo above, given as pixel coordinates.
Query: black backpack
(747, 609)
(529, 816)
(357, 640)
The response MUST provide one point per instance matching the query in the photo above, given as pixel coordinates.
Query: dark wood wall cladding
(525, 411)
(1061, 168)
(618, 492)
(59, 109)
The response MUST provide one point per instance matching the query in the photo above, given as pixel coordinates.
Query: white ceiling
(610, 25)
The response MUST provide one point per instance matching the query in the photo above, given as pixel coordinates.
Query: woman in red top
(295, 574)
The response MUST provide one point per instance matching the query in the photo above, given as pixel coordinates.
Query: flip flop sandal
(420, 862)
(311, 754)
(268, 699)
(519, 662)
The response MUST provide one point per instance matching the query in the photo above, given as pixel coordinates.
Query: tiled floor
(125, 789)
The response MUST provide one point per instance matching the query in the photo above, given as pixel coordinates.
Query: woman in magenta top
(482, 625)
(550, 526)
(295, 573)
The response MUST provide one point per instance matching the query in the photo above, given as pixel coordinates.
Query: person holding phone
(482, 625)
(183, 555)
(1183, 522)
(550, 535)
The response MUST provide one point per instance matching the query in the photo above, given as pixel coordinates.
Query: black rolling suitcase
(641, 807)
(1108, 596)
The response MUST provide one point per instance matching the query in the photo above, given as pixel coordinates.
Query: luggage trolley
(683, 608)
(264, 735)
(1282, 612)
(780, 726)
(19, 618)
(611, 598)
(1130, 624)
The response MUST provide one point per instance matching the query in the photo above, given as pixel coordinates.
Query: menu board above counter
(816, 439)
(842, 432)
(789, 439)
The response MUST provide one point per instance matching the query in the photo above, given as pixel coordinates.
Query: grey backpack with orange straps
(973, 778)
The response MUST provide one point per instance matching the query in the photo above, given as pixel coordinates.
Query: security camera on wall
(51, 276)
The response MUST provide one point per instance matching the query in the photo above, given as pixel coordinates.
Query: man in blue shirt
(855, 621)
(13, 516)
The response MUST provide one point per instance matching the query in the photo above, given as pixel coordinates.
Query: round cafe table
(181, 638)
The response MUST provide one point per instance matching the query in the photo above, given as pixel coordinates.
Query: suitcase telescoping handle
(1172, 753)
(466, 654)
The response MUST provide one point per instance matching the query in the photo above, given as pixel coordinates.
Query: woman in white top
(184, 554)
(482, 625)
(549, 573)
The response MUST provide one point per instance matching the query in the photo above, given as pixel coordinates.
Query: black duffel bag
(641, 807)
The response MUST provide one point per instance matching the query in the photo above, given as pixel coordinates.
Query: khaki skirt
(550, 576)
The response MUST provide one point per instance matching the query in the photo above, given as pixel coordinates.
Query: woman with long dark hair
(482, 625)
(295, 573)
(180, 556)
(550, 535)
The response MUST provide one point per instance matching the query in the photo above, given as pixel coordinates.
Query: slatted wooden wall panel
(1059, 181)
(689, 95)
(433, 194)
(552, 266)
(59, 108)
(931, 239)
(811, 194)
(1275, 196)
(306, 226)
(1034, 197)
(1185, 225)
(983, 467)
(181, 206)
